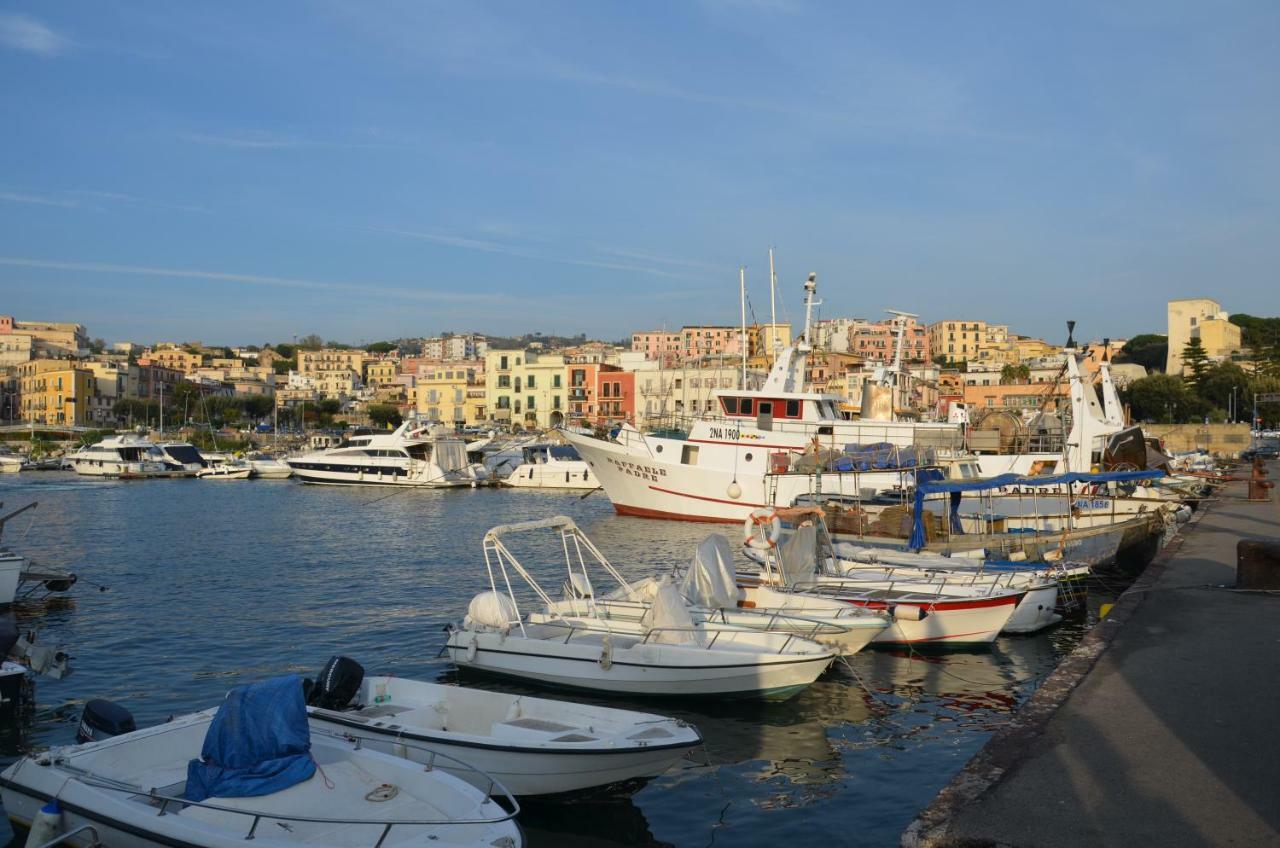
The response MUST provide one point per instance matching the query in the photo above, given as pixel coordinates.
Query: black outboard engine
(102, 720)
(336, 685)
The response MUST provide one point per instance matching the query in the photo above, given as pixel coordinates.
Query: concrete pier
(1162, 728)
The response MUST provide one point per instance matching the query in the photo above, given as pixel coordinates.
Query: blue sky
(244, 172)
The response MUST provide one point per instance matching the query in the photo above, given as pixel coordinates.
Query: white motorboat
(268, 467)
(412, 455)
(226, 471)
(127, 456)
(10, 462)
(20, 578)
(533, 746)
(255, 769)
(547, 466)
(708, 587)
(670, 655)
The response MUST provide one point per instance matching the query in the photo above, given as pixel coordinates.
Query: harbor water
(208, 585)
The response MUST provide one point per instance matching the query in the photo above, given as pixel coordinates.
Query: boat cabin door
(764, 415)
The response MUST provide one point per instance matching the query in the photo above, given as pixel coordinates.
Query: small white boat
(547, 466)
(533, 746)
(10, 463)
(254, 769)
(228, 471)
(669, 654)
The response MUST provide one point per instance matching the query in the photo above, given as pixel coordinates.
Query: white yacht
(412, 455)
(9, 462)
(547, 466)
(120, 456)
(269, 467)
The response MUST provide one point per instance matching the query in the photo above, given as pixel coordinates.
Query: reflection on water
(210, 586)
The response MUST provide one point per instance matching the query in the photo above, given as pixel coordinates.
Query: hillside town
(56, 376)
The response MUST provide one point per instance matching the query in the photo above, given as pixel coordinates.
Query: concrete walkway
(1165, 731)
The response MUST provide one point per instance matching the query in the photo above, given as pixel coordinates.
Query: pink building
(657, 345)
(710, 341)
(877, 342)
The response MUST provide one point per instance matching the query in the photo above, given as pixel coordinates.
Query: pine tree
(1195, 362)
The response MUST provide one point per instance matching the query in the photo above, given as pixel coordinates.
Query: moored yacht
(182, 457)
(412, 455)
(548, 466)
(120, 456)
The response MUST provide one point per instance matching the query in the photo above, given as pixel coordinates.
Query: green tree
(1218, 381)
(310, 342)
(1149, 350)
(384, 415)
(1163, 398)
(1015, 374)
(387, 347)
(285, 350)
(1195, 362)
(259, 406)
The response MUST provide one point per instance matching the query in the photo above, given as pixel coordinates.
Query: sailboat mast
(742, 297)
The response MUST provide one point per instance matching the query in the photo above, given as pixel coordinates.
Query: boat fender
(765, 520)
(606, 655)
(907, 612)
(473, 647)
(46, 826)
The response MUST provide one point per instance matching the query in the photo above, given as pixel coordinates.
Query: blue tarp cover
(259, 742)
(881, 456)
(955, 487)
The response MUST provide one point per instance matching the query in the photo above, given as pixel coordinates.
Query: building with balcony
(877, 342)
(444, 394)
(971, 341)
(666, 395)
(49, 340)
(56, 392)
(525, 388)
(311, 362)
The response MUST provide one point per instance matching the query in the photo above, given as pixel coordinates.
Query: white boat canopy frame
(498, 558)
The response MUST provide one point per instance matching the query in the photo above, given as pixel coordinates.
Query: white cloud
(467, 296)
(38, 200)
(20, 32)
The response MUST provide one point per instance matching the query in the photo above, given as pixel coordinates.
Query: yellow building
(525, 388)
(1026, 348)
(444, 395)
(48, 339)
(1202, 318)
(175, 358)
(378, 372)
(760, 343)
(56, 392)
(312, 362)
(970, 341)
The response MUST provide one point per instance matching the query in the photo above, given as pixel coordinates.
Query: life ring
(766, 518)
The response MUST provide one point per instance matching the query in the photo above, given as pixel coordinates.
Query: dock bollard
(1257, 564)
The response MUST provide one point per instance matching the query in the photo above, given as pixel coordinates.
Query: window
(530, 403)
(766, 407)
(529, 381)
(745, 406)
(793, 409)
(730, 405)
(689, 454)
(502, 363)
(555, 381)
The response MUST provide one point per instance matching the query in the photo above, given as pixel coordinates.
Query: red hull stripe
(940, 606)
(701, 498)
(641, 512)
(984, 633)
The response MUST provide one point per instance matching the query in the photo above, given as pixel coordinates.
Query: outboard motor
(336, 685)
(102, 720)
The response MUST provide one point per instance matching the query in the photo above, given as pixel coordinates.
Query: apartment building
(525, 388)
(445, 394)
(57, 392)
(971, 341)
(878, 342)
(662, 394)
(658, 345)
(710, 340)
(312, 362)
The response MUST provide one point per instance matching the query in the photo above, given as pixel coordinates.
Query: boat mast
(742, 296)
(162, 408)
(773, 310)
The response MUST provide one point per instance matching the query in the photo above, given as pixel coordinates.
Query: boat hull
(647, 670)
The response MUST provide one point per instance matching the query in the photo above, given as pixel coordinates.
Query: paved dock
(1163, 728)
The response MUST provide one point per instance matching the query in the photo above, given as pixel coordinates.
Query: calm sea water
(214, 584)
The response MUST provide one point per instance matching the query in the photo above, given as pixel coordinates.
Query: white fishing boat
(412, 455)
(922, 614)
(547, 466)
(254, 769)
(126, 456)
(533, 746)
(670, 655)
